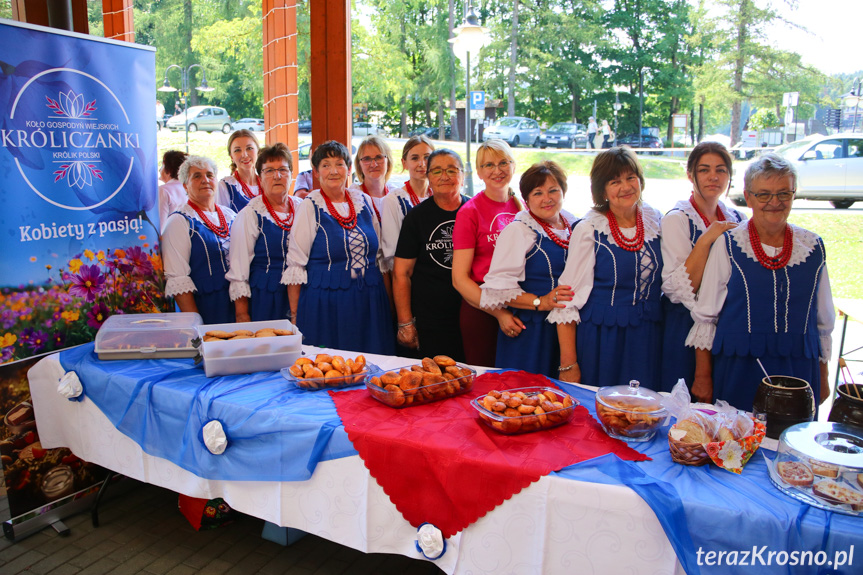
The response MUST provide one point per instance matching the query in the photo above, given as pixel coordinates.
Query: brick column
(36, 12)
(117, 18)
(280, 73)
(330, 85)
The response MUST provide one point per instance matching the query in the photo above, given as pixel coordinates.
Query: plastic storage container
(413, 385)
(630, 412)
(148, 336)
(821, 463)
(253, 354)
(555, 408)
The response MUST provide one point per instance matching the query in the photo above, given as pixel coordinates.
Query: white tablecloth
(553, 526)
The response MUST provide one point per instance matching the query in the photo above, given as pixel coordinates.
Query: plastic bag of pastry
(733, 424)
(679, 405)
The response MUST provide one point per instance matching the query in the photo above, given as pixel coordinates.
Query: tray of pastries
(148, 336)
(249, 347)
(434, 378)
(525, 409)
(821, 464)
(327, 371)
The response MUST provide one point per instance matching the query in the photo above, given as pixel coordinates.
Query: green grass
(843, 238)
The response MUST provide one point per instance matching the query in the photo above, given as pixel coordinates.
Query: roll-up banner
(78, 211)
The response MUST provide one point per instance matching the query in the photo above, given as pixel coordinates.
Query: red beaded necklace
(374, 206)
(630, 245)
(720, 217)
(550, 232)
(245, 187)
(415, 200)
(777, 262)
(286, 223)
(222, 230)
(349, 222)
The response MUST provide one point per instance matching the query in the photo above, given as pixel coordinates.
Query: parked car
(251, 124)
(434, 133)
(515, 130)
(368, 129)
(207, 118)
(163, 121)
(828, 168)
(632, 140)
(304, 126)
(564, 135)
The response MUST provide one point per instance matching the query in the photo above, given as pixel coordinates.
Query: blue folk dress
(768, 314)
(678, 361)
(231, 193)
(209, 264)
(524, 244)
(618, 307)
(269, 297)
(343, 303)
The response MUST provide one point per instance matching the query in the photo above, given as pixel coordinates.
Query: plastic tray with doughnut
(435, 378)
(249, 346)
(327, 371)
(524, 410)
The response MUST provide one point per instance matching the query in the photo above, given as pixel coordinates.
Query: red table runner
(439, 464)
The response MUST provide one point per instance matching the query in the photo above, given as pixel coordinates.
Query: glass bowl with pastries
(630, 412)
(327, 371)
(525, 409)
(433, 379)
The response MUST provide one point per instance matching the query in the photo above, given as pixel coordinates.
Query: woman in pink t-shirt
(477, 226)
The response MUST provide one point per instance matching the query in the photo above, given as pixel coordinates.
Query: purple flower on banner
(58, 339)
(87, 283)
(34, 339)
(139, 260)
(97, 315)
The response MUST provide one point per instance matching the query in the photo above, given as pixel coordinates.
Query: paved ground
(142, 532)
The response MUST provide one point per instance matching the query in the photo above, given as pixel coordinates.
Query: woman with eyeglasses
(688, 231)
(526, 267)
(335, 286)
(427, 304)
(476, 231)
(765, 294)
(195, 245)
(611, 330)
(395, 206)
(373, 166)
(243, 183)
(260, 238)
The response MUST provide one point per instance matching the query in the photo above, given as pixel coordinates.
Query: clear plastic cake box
(148, 336)
(238, 356)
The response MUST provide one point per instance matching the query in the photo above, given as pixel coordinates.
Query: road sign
(477, 100)
(477, 114)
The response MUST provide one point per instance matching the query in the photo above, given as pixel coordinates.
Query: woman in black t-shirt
(427, 304)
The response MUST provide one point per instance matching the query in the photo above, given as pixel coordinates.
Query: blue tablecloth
(279, 433)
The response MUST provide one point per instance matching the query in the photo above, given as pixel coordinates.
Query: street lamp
(617, 106)
(470, 37)
(184, 72)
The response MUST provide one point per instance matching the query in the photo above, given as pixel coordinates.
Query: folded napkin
(439, 464)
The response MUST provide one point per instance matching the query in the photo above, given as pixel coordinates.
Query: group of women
(512, 281)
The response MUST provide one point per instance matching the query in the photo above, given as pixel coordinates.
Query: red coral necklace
(222, 230)
(630, 245)
(780, 260)
(415, 200)
(549, 231)
(349, 222)
(286, 223)
(245, 187)
(720, 217)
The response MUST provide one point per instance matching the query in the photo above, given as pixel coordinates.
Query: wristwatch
(536, 302)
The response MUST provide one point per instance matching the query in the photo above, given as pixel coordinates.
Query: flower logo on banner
(71, 105)
(80, 174)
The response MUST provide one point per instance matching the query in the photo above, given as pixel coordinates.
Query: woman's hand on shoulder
(715, 230)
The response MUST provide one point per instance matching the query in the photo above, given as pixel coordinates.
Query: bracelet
(566, 368)
(411, 322)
